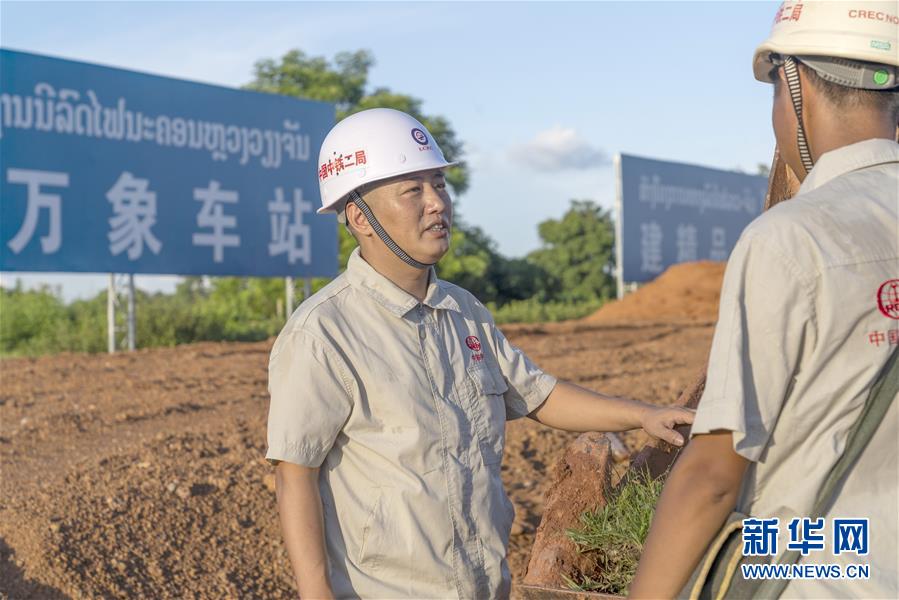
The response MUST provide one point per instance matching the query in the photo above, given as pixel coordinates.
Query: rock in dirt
(619, 450)
(581, 482)
(656, 458)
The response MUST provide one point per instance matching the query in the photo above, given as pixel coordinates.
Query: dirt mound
(685, 292)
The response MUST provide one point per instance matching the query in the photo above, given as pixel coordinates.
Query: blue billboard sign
(107, 170)
(671, 212)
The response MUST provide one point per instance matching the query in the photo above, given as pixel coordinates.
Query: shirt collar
(395, 299)
(850, 158)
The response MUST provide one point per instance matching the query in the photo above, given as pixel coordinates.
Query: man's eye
(413, 190)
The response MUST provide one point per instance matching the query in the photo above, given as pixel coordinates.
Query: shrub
(533, 310)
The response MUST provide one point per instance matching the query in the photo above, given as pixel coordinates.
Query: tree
(469, 261)
(33, 321)
(578, 252)
(314, 78)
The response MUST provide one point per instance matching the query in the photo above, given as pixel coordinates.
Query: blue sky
(543, 94)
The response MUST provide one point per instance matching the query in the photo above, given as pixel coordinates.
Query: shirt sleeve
(765, 322)
(528, 385)
(311, 399)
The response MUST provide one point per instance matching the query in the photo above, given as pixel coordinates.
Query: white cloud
(559, 148)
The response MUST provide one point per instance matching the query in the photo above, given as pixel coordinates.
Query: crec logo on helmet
(419, 136)
(340, 162)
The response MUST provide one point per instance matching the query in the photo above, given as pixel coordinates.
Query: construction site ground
(142, 474)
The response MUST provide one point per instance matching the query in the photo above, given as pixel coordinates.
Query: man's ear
(779, 77)
(357, 220)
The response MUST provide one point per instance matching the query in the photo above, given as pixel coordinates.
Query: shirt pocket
(488, 410)
(371, 530)
(387, 541)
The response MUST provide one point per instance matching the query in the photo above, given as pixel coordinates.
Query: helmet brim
(332, 208)
(762, 65)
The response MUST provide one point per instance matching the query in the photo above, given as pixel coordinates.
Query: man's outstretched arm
(573, 408)
(700, 493)
(302, 525)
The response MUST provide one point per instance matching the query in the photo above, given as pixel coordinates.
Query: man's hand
(660, 423)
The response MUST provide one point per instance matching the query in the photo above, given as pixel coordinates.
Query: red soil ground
(142, 474)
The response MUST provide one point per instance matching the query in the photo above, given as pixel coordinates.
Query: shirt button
(421, 332)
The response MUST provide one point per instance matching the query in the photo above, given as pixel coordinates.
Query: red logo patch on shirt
(475, 345)
(888, 298)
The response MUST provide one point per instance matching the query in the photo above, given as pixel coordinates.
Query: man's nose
(435, 200)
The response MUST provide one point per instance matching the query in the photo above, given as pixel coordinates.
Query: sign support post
(112, 299)
(619, 245)
(110, 314)
(131, 314)
(290, 297)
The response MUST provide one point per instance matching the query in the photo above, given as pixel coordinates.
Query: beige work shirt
(804, 327)
(403, 405)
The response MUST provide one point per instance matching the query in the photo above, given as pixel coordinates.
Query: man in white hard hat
(390, 390)
(807, 321)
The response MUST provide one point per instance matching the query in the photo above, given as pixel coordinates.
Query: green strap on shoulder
(882, 394)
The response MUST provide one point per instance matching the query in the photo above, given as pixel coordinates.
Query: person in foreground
(807, 319)
(390, 390)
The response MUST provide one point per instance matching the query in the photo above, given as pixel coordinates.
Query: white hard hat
(373, 145)
(858, 31)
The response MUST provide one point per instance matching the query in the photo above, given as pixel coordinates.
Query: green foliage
(224, 309)
(578, 250)
(31, 322)
(615, 535)
(346, 243)
(315, 78)
(468, 262)
(236, 309)
(474, 264)
(533, 310)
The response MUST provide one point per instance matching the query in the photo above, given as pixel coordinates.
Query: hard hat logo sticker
(419, 136)
(340, 163)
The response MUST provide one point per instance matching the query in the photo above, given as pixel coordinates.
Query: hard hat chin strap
(356, 199)
(791, 70)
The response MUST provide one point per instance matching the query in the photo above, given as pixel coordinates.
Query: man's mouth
(437, 228)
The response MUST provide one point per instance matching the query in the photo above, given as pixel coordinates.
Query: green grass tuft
(614, 536)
